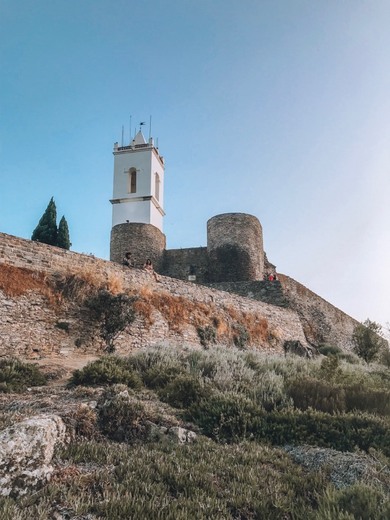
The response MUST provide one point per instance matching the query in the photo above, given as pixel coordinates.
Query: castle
(234, 251)
(221, 286)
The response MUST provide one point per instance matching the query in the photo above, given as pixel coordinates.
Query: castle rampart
(28, 323)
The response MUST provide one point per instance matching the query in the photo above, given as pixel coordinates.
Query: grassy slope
(248, 406)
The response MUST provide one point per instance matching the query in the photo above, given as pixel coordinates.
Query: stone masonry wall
(142, 240)
(263, 291)
(321, 321)
(235, 247)
(31, 326)
(181, 263)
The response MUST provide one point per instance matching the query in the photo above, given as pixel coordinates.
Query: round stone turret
(235, 248)
(143, 241)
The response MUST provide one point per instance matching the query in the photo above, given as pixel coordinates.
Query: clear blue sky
(277, 108)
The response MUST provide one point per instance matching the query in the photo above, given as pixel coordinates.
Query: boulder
(174, 434)
(181, 435)
(26, 451)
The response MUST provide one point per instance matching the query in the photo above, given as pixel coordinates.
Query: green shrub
(330, 368)
(241, 336)
(355, 502)
(203, 481)
(384, 356)
(225, 369)
(183, 391)
(157, 366)
(206, 335)
(329, 350)
(342, 432)
(107, 370)
(16, 376)
(318, 394)
(160, 376)
(226, 417)
(269, 391)
(368, 341)
(119, 418)
(359, 397)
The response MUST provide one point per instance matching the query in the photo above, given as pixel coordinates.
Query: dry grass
(176, 310)
(79, 284)
(257, 327)
(180, 312)
(17, 281)
(114, 284)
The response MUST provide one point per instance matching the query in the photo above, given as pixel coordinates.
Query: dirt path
(59, 368)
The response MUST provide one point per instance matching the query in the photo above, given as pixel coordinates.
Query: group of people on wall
(128, 261)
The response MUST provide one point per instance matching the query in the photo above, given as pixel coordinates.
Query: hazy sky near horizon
(277, 108)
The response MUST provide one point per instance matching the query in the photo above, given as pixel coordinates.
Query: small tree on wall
(46, 230)
(63, 239)
(114, 313)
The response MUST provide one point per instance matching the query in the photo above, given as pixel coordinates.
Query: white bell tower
(138, 194)
(138, 202)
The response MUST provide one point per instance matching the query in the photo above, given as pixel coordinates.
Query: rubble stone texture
(26, 451)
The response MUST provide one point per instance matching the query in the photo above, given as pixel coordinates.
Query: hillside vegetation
(277, 438)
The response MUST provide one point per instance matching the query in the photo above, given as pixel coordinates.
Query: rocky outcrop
(26, 451)
(345, 469)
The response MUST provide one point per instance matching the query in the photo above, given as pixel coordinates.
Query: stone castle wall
(142, 240)
(263, 291)
(31, 326)
(321, 321)
(182, 263)
(234, 250)
(235, 247)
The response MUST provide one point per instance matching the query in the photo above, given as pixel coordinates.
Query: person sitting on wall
(270, 277)
(148, 266)
(127, 260)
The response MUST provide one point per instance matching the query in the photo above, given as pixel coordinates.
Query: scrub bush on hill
(359, 501)
(329, 350)
(233, 395)
(16, 376)
(318, 394)
(120, 418)
(226, 417)
(107, 370)
(206, 335)
(183, 391)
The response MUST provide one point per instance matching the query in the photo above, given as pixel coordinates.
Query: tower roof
(139, 138)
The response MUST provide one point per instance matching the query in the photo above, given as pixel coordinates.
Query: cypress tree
(46, 230)
(63, 239)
